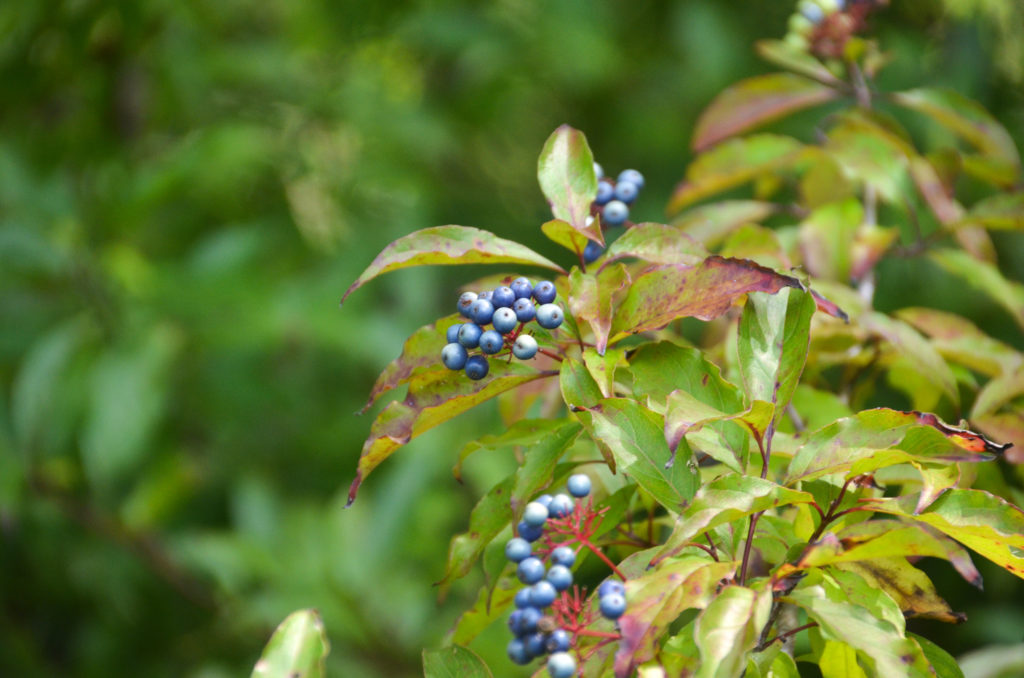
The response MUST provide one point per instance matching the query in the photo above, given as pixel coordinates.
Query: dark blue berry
(544, 292)
(477, 367)
(611, 586)
(561, 555)
(605, 192)
(536, 644)
(515, 620)
(531, 616)
(454, 356)
(560, 577)
(525, 347)
(517, 652)
(525, 310)
(626, 191)
(503, 297)
(530, 570)
(469, 335)
(592, 251)
(542, 594)
(522, 287)
(578, 485)
(545, 499)
(561, 506)
(517, 548)
(615, 213)
(465, 301)
(452, 333)
(529, 532)
(632, 176)
(481, 311)
(535, 514)
(558, 641)
(491, 342)
(550, 316)
(505, 320)
(561, 665)
(613, 605)
(522, 599)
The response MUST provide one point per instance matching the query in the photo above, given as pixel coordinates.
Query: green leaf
(728, 629)
(420, 352)
(994, 661)
(497, 509)
(825, 238)
(524, 432)
(635, 437)
(1003, 211)
(565, 171)
(297, 649)
(945, 665)
(727, 499)
(756, 101)
(799, 61)
(578, 386)
(839, 660)
(686, 414)
(434, 398)
(915, 349)
(959, 340)
(984, 523)
(657, 244)
(908, 586)
(564, 234)
(869, 152)
(710, 224)
(774, 334)
(966, 118)
(658, 598)
(446, 246)
(664, 293)
(491, 603)
(453, 662)
(985, 278)
(997, 392)
(733, 163)
(592, 297)
(602, 367)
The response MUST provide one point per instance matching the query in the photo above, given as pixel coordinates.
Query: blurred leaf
(657, 244)
(964, 117)
(564, 234)
(994, 661)
(522, 433)
(1008, 427)
(783, 54)
(447, 246)
(1001, 211)
(453, 662)
(756, 101)
(434, 398)
(657, 598)
(945, 665)
(825, 182)
(985, 278)
(592, 297)
(998, 392)
(420, 352)
(759, 244)
(565, 170)
(936, 192)
(916, 349)
(733, 163)
(869, 152)
(825, 238)
(296, 650)
(664, 293)
(959, 340)
(709, 224)
(728, 629)
(491, 603)
(635, 436)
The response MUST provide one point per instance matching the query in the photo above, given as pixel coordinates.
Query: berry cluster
(536, 631)
(612, 203)
(824, 26)
(507, 309)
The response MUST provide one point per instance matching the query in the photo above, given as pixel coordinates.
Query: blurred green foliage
(186, 189)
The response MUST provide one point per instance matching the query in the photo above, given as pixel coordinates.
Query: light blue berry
(578, 485)
(561, 555)
(525, 347)
(454, 356)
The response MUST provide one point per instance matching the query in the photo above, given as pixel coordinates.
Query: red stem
(596, 551)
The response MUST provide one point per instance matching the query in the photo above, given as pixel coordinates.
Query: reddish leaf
(935, 191)
(755, 101)
(706, 291)
(565, 171)
(969, 440)
(434, 398)
(591, 298)
(826, 306)
(446, 246)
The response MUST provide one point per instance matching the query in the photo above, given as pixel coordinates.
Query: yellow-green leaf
(296, 650)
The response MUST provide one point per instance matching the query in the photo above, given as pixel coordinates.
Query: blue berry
(529, 532)
(626, 191)
(545, 499)
(605, 192)
(454, 356)
(525, 347)
(598, 171)
(522, 599)
(485, 295)
(578, 485)
(535, 514)
(505, 320)
(811, 11)
(561, 665)
(550, 316)
(477, 367)
(469, 335)
(491, 342)
(615, 213)
(503, 297)
(525, 310)
(561, 506)
(481, 311)
(452, 333)
(558, 641)
(613, 605)
(515, 620)
(544, 292)
(611, 586)
(517, 652)
(561, 555)
(542, 594)
(465, 301)
(592, 251)
(531, 616)
(517, 548)
(632, 176)
(530, 570)
(560, 577)
(522, 287)
(535, 644)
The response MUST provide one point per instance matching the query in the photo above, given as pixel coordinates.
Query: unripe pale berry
(535, 513)
(525, 347)
(561, 665)
(561, 506)
(550, 316)
(632, 176)
(578, 485)
(517, 549)
(615, 213)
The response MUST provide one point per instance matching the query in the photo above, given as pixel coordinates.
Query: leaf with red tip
(756, 101)
(565, 171)
(664, 293)
(447, 246)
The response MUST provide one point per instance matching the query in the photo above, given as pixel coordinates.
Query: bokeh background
(186, 189)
